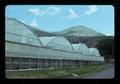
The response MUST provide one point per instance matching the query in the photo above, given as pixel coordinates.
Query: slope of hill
(79, 31)
(41, 33)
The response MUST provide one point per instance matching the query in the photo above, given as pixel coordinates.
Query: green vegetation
(106, 48)
(65, 72)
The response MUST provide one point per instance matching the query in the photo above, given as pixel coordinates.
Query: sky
(53, 18)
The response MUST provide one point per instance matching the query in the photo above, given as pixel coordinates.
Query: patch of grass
(55, 73)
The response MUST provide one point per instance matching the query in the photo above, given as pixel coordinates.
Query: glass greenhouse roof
(94, 51)
(18, 32)
(82, 48)
(45, 40)
(60, 43)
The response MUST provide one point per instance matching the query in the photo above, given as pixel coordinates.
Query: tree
(106, 48)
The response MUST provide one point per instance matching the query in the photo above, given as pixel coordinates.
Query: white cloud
(72, 14)
(34, 23)
(36, 11)
(53, 10)
(50, 11)
(92, 9)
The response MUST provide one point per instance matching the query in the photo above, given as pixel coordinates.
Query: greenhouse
(45, 40)
(60, 43)
(18, 32)
(82, 48)
(24, 49)
(94, 52)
